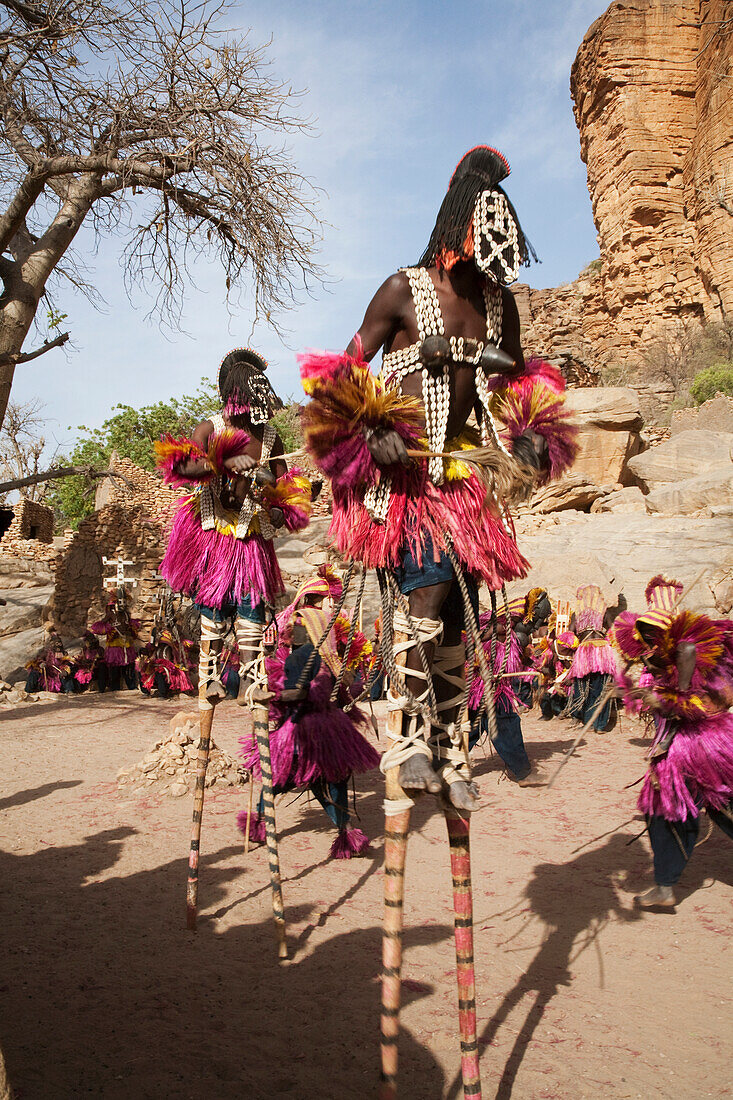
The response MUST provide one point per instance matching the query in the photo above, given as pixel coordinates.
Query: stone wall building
(130, 523)
(30, 533)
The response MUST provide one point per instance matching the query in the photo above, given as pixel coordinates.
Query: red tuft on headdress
(490, 149)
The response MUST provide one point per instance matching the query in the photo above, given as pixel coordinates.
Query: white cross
(119, 580)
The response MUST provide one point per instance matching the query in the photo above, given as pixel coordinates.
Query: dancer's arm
(685, 660)
(384, 318)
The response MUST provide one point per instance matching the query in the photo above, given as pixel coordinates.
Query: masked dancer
(220, 551)
(419, 493)
(684, 684)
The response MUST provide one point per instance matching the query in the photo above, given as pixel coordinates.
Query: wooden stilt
(206, 718)
(460, 860)
(261, 719)
(395, 850)
(396, 830)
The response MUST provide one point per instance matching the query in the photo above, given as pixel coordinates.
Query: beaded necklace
(209, 493)
(396, 365)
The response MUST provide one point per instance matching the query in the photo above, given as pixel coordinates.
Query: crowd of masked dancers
(424, 460)
(583, 661)
(113, 656)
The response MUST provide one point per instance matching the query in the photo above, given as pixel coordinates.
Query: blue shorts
(410, 576)
(241, 610)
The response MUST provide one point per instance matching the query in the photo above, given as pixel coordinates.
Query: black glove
(531, 449)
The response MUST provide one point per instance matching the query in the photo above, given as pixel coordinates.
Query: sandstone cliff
(652, 87)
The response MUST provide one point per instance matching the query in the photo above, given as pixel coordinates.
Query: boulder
(685, 455)
(715, 415)
(16, 649)
(575, 491)
(611, 407)
(23, 608)
(694, 494)
(622, 501)
(622, 552)
(609, 422)
(721, 590)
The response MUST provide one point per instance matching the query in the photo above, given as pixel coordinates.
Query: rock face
(651, 87)
(553, 324)
(610, 421)
(686, 455)
(693, 494)
(715, 415)
(621, 554)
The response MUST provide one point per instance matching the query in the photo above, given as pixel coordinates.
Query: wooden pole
(261, 719)
(460, 860)
(249, 814)
(206, 718)
(396, 830)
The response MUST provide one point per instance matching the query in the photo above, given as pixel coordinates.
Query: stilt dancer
(220, 551)
(449, 328)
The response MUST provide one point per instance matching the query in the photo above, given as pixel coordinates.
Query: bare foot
(658, 897)
(215, 691)
(536, 778)
(417, 775)
(463, 795)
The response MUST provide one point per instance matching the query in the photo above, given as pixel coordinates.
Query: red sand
(104, 993)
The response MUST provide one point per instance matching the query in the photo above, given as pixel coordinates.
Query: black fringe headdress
(480, 170)
(243, 387)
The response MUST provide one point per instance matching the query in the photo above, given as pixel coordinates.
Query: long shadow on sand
(104, 992)
(21, 798)
(574, 901)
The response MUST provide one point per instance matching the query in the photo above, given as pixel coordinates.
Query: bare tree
(145, 119)
(673, 355)
(22, 444)
(686, 346)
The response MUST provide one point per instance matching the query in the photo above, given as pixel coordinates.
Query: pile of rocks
(170, 766)
(12, 694)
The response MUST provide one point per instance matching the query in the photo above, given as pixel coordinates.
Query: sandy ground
(103, 992)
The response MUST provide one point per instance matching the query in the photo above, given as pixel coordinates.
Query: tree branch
(63, 471)
(25, 357)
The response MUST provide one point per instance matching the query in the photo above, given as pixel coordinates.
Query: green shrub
(131, 433)
(712, 380)
(287, 423)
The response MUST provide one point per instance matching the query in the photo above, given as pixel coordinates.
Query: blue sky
(397, 92)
